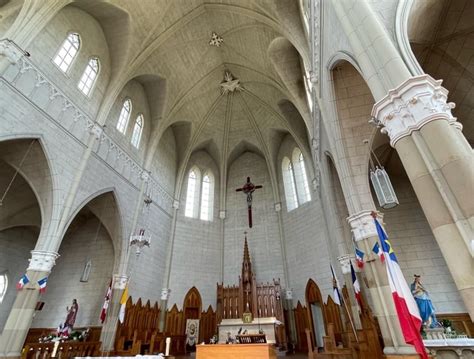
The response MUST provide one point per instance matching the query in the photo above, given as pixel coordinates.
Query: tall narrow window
(89, 76)
(137, 131)
(122, 122)
(301, 179)
(3, 286)
(67, 52)
(207, 197)
(191, 193)
(289, 184)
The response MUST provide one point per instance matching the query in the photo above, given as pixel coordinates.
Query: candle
(168, 343)
(55, 348)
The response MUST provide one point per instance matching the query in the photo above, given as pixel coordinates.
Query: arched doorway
(316, 313)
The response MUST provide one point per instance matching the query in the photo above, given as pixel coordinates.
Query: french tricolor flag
(22, 282)
(359, 257)
(356, 285)
(378, 251)
(407, 310)
(42, 284)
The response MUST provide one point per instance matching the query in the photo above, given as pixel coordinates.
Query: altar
(235, 351)
(250, 307)
(233, 326)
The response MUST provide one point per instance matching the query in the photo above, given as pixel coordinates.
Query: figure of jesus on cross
(248, 188)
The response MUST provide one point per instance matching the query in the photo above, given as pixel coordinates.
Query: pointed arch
(89, 76)
(289, 184)
(124, 116)
(301, 177)
(192, 304)
(68, 51)
(192, 192)
(137, 131)
(207, 196)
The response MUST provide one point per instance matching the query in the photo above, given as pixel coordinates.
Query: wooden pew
(65, 350)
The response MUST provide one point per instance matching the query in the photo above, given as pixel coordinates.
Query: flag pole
(350, 318)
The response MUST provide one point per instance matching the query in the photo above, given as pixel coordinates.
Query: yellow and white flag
(123, 304)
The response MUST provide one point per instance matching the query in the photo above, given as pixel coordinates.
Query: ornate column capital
(362, 225)
(345, 261)
(289, 294)
(165, 293)
(9, 50)
(407, 108)
(96, 130)
(145, 176)
(176, 204)
(278, 207)
(222, 214)
(42, 261)
(119, 281)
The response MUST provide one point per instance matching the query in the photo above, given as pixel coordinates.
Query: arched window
(3, 285)
(137, 131)
(89, 76)
(122, 122)
(289, 184)
(301, 179)
(193, 180)
(207, 197)
(67, 52)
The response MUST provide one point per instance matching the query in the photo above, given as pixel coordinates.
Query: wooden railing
(65, 350)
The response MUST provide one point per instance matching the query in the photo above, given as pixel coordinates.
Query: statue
(423, 300)
(66, 328)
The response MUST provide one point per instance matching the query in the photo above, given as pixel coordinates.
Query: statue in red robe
(70, 318)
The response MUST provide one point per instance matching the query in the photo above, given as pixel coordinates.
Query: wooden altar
(235, 351)
(262, 300)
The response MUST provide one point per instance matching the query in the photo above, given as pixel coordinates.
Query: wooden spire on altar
(260, 299)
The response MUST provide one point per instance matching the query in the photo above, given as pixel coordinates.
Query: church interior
(237, 179)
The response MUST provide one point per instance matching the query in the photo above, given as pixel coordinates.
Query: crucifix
(248, 188)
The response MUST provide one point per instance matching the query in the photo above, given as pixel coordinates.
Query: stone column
(291, 316)
(440, 165)
(109, 328)
(345, 261)
(20, 318)
(365, 234)
(165, 294)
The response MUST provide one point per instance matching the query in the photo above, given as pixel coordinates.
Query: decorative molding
(230, 83)
(145, 176)
(362, 225)
(407, 108)
(73, 120)
(119, 281)
(165, 293)
(278, 207)
(345, 261)
(289, 294)
(96, 130)
(315, 42)
(11, 51)
(222, 214)
(176, 204)
(42, 261)
(216, 40)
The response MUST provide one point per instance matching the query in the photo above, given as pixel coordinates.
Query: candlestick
(168, 344)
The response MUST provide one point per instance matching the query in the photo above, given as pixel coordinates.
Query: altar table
(235, 351)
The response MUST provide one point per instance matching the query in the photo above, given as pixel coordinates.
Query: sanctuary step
(236, 351)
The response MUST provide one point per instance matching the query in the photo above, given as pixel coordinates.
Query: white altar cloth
(233, 325)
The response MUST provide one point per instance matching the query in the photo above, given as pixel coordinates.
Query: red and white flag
(105, 307)
(407, 310)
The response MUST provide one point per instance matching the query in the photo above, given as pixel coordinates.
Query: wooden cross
(248, 188)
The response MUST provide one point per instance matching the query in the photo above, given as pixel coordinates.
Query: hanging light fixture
(382, 185)
(140, 239)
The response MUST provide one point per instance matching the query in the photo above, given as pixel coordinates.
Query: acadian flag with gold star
(407, 310)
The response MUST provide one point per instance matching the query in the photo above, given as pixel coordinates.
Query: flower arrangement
(77, 335)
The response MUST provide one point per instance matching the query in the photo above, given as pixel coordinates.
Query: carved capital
(176, 204)
(165, 293)
(42, 261)
(345, 261)
(289, 294)
(119, 281)
(10, 51)
(407, 108)
(145, 176)
(222, 214)
(362, 225)
(278, 207)
(96, 130)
